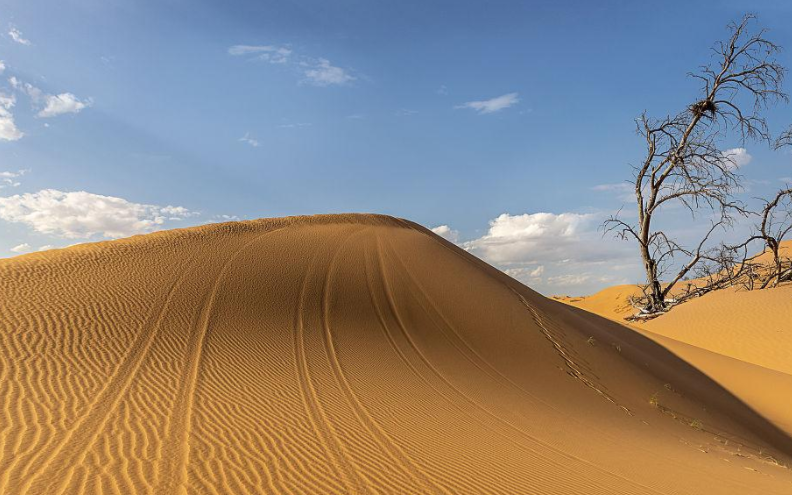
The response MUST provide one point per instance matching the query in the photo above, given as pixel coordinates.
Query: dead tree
(684, 163)
(776, 224)
(785, 139)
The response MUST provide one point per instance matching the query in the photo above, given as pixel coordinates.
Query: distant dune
(360, 354)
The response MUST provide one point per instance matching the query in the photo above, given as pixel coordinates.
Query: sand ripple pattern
(329, 355)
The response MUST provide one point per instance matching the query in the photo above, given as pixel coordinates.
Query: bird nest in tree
(704, 107)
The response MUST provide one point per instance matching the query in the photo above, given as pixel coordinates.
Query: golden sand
(350, 354)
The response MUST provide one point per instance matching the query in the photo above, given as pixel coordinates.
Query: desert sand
(362, 354)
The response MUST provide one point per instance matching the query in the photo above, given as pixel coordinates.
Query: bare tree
(776, 224)
(785, 139)
(684, 163)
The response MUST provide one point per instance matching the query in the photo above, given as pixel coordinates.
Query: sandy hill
(344, 354)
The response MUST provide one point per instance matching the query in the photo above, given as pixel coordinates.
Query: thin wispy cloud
(16, 35)
(21, 248)
(296, 125)
(9, 179)
(623, 191)
(247, 139)
(323, 73)
(268, 53)
(315, 71)
(493, 104)
(2, 66)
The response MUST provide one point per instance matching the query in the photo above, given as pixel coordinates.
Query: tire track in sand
(75, 443)
(502, 422)
(176, 452)
(380, 436)
(350, 479)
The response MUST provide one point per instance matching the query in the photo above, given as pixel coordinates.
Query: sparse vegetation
(685, 165)
(654, 400)
(697, 424)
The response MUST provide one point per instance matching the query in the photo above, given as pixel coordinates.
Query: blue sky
(126, 117)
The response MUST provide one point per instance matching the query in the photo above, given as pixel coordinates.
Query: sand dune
(344, 354)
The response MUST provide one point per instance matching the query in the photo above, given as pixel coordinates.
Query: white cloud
(529, 237)
(446, 233)
(554, 252)
(8, 179)
(322, 73)
(21, 248)
(46, 247)
(8, 128)
(620, 187)
(16, 35)
(492, 105)
(317, 71)
(268, 53)
(2, 66)
(249, 140)
(55, 105)
(82, 214)
(226, 218)
(735, 158)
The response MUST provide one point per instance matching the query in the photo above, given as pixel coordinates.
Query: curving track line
(385, 442)
(487, 412)
(90, 425)
(352, 483)
(176, 453)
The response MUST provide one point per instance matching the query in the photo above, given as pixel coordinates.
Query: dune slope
(343, 354)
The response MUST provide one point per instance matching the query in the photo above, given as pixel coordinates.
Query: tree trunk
(777, 260)
(656, 300)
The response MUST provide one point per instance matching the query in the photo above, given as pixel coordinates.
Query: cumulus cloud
(21, 248)
(530, 237)
(55, 105)
(8, 128)
(2, 67)
(492, 105)
(322, 73)
(249, 140)
(446, 233)
(81, 215)
(554, 252)
(268, 53)
(737, 158)
(16, 35)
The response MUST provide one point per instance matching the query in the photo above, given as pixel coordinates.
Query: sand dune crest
(343, 354)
